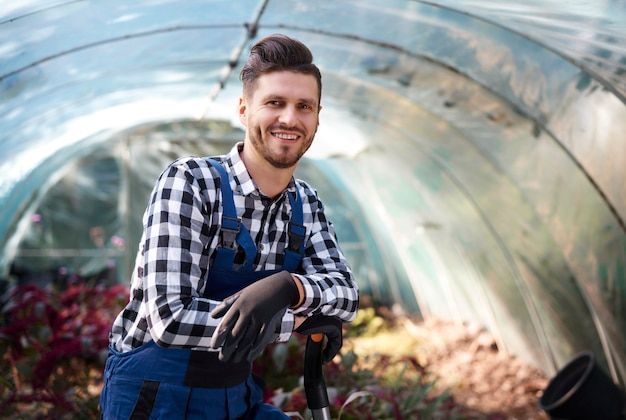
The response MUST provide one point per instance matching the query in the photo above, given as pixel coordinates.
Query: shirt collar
(242, 177)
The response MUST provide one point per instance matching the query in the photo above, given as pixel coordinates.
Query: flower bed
(54, 345)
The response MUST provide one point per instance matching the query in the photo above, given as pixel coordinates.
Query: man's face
(281, 115)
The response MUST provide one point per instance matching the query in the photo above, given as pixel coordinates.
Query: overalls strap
(232, 230)
(296, 231)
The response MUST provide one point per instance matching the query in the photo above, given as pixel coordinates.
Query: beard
(280, 156)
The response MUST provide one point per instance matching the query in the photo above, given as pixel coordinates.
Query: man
(235, 254)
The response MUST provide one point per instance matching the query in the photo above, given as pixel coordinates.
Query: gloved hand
(251, 316)
(330, 327)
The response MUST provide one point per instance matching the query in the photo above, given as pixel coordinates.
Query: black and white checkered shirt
(181, 233)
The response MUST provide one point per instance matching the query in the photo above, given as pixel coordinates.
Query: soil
(465, 360)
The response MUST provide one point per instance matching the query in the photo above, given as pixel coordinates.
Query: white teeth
(286, 136)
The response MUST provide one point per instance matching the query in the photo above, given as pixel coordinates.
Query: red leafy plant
(53, 347)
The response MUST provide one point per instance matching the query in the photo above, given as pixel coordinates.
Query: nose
(288, 116)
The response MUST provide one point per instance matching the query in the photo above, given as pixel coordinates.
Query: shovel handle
(314, 384)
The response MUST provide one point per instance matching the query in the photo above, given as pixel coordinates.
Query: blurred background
(471, 153)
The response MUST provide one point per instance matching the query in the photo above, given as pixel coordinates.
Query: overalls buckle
(230, 229)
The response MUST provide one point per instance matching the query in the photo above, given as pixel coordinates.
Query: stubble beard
(284, 160)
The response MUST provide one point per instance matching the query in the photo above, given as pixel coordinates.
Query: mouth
(289, 137)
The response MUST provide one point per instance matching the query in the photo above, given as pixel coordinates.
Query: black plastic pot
(581, 390)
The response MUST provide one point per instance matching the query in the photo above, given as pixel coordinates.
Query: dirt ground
(465, 360)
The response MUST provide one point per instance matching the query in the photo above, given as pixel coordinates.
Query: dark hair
(278, 53)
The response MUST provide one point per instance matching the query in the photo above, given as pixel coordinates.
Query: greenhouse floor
(487, 383)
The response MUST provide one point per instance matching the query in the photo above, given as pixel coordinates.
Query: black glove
(330, 327)
(252, 315)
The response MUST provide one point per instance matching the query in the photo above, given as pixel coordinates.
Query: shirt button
(261, 247)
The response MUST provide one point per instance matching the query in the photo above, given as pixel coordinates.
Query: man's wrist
(300, 287)
(298, 320)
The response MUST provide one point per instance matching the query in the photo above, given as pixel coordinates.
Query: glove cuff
(291, 288)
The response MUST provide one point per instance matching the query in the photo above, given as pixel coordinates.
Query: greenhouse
(471, 153)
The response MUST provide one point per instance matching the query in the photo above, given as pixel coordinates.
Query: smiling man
(235, 254)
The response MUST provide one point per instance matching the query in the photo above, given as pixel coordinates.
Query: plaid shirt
(181, 233)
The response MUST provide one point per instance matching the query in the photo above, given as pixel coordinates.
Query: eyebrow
(310, 101)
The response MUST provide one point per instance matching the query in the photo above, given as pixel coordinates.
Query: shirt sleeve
(177, 229)
(328, 281)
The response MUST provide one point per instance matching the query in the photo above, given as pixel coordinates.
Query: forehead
(287, 84)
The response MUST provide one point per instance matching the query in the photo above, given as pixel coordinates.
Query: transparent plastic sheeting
(470, 153)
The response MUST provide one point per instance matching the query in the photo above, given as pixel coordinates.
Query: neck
(271, 180)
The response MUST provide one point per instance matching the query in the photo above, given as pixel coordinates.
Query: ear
(243, 108)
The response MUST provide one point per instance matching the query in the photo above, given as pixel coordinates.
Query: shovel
(314, 384)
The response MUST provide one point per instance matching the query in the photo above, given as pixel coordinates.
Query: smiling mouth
(284, 136)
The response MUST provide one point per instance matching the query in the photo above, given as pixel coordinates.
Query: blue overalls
(167, 383)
